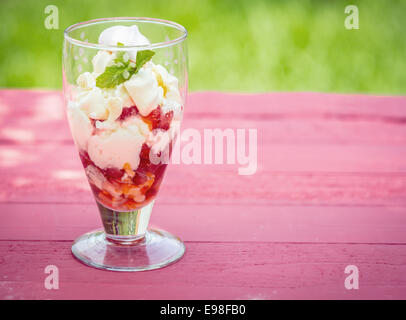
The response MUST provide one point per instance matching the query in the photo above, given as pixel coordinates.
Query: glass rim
(155, 45)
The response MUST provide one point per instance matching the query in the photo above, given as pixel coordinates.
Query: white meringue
(144, 90)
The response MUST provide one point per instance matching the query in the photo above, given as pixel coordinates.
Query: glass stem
(125, 227)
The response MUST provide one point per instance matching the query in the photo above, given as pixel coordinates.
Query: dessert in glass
(125, 82)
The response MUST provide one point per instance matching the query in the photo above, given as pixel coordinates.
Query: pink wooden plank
(310, 104)
(37, 116)
(53, 173)
(27, 116)
(308, 131)
(212, 271)
(14, 290)
(344, 224)
(289, 130)
(219, 103)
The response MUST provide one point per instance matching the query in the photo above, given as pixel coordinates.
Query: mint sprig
(123, 68)
(142, 58)
(111, 77)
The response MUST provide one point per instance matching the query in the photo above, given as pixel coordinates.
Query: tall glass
(125, 92)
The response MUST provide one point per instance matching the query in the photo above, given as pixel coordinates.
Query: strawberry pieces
(84, 157)
(158, 120)
(128, 112)
(113, 173)
(155, 120)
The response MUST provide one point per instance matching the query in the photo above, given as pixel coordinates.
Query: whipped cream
(101, 60)
(144, 90)
(128, 36)
(154, 85)
(94, 112)
(80, 126)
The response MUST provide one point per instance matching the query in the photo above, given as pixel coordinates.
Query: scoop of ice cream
(137, 125)
(115, 149)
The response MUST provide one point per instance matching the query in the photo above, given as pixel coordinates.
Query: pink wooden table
(330, 191)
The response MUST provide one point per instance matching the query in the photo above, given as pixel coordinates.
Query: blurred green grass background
(234, 45)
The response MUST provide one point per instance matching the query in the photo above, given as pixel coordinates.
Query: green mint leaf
(119, 57)
(143, 57)
(113, 76)
(123, 68)
(119, 54)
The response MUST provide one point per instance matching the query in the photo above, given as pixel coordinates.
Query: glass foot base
(156, 250)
